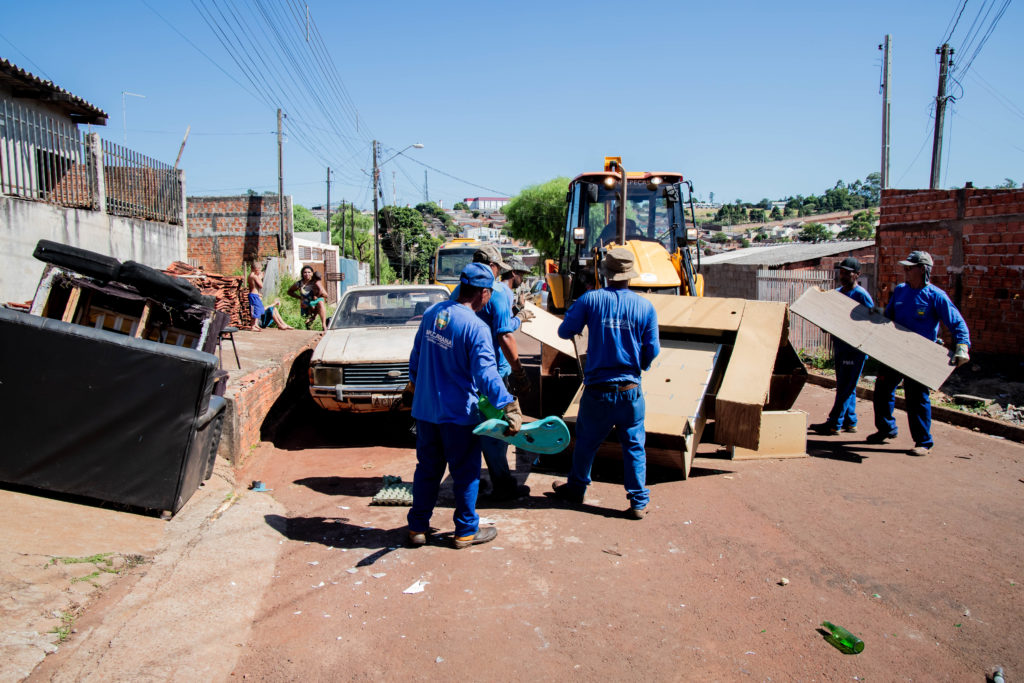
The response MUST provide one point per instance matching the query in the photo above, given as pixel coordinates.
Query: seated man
(610, 232)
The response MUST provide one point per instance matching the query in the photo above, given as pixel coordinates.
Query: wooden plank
(696, 315)
(893, 345)
(746, 381)
(69, 309)
(783, 435)
(675, 389)
(544, 328)
(143, 321)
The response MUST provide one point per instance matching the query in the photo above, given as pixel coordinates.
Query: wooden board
(696, 315)
(674, 389)
(745, 385)
(544, 328)
(893, 345)
(783, 435)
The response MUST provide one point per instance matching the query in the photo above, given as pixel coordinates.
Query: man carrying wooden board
(919, 306)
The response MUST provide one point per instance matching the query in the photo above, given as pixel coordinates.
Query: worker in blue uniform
(623, 342)
(919, 306)
(497, 314)
(849, 362)
(451, 365)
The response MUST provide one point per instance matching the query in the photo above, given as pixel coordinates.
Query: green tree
(744, 242)
(775, 215)
(757, 216)
(720, 238)
(1007, 184)
(407, 242)
(814, 232)
(861, 227)
(305, 221)
(461, 206)
(537, 216)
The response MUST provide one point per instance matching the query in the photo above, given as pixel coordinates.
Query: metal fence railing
(140, 187)
(48, 159)
(787, 286)
(43, 158)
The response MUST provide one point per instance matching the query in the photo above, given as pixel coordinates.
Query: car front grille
(375, 373)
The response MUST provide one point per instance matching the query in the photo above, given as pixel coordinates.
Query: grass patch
(818, 359)
(67, 622)
(98, 558)
(87, 577)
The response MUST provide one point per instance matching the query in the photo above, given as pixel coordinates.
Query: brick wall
(976, 238)
(225, 232)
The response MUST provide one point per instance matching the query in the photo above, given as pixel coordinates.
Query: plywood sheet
(674, 389)
(745, 385)
(544, 328)
(783, 435)
(696, 315)
(890, 344)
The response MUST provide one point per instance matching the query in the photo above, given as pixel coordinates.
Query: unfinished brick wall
(225, 232)
(977, 240)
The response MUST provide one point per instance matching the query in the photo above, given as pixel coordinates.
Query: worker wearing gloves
(623, 342)
(920, 306)
(452, 362)
(497, 314)
(849, 362)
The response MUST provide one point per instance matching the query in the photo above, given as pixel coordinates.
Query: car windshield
(385, 307)
(450, 263)
(648, 215)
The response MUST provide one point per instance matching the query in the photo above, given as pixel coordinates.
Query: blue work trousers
(849, 365)
(496, 456)
(918, 406)
(599, 412)
(438, 445)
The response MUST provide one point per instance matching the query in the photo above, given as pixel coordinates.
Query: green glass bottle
(489, 411)
(843, 639)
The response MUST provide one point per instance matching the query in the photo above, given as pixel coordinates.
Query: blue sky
(747, 99)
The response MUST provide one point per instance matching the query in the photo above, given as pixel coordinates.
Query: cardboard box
(783, 435)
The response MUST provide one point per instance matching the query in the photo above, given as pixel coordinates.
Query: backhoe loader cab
(647, 216)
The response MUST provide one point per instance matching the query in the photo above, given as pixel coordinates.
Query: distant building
(482, 234)
(486, 203)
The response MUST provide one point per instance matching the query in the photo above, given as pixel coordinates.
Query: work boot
(638, 513)
(481, 536)
(850, 429)
(880, 437)
(507, 490)
(824, 428)
(565, 493)
(417, 538)
(920, 450)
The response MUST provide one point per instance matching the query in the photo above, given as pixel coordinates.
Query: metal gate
(787, 286)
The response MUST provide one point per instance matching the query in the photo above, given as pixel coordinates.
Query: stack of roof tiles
(228, 290)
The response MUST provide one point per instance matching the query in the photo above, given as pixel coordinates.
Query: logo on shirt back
(615, 323)
(442, 320)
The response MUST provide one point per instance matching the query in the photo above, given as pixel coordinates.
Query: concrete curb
(985, 425)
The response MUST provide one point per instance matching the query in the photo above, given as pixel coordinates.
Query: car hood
(365, 345)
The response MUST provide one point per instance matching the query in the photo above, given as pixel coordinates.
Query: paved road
(921, 557)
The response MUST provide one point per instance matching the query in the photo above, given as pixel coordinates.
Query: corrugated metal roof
(27, 85)
(781, 254)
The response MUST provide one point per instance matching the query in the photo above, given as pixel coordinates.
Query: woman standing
(312, 296)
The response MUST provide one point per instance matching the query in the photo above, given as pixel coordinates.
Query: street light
(376, 225)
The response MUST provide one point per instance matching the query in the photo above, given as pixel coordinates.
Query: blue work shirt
(452, 362)
(921, 310)
(497, 315)
(623, 334)
(861, 296)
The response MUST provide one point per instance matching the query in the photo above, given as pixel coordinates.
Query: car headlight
(326, 375)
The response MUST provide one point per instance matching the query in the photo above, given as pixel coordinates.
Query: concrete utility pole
(376, 231)
(426, 188)
(886, 66)
(280, 186)
(328, 202)
(945, 61)
(343, 228)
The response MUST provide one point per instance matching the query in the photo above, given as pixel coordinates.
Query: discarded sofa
(95, 413)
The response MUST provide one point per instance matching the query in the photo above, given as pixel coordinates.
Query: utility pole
(343, 228)
(376, 231)
(426, 188)
(940, 112)
(352, 229)
(328, 202)
(401, 239)
(280, 186)
(394, 190)
(886, 66)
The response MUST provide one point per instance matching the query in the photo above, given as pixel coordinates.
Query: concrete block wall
(977, 240)
(730, 280)
(225, 232)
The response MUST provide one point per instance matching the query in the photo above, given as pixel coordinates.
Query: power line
(949, 35)
(465, 182)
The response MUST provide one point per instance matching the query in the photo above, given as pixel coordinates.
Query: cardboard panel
(893, 345)
(744, 389)
(544, 328)
(783, 435)
(696, 315)
(674, 393)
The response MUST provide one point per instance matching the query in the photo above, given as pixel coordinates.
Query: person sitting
(262, 317)
(610, 232)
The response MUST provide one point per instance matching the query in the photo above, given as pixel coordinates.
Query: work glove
(514, 417)
(960, 356)
(518, 382)
(525, 316)
(407, 394)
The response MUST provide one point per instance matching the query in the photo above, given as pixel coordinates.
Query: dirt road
(921, 557)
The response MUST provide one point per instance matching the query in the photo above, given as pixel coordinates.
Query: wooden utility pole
(886, 65)
(280, 187)
(343, 228)
(328, 202)
(376, 231)
(940, 112)
(426, 188)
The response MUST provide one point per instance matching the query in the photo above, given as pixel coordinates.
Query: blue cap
(477, 275)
